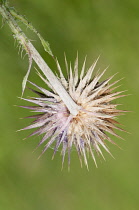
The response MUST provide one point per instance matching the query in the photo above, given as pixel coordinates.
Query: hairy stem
(33, 54)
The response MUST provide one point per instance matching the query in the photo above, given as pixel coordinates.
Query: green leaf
(46, 46)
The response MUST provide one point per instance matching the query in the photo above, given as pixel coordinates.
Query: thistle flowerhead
(88, 130)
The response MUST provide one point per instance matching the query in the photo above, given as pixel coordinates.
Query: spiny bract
(87, 131)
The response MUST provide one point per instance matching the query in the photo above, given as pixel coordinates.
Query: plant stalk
(34, 54)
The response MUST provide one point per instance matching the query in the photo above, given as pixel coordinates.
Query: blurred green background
(109, 28)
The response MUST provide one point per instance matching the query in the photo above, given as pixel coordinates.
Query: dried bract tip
(88, 130)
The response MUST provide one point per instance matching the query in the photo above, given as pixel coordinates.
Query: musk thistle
(77, 111)
(87, 130)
